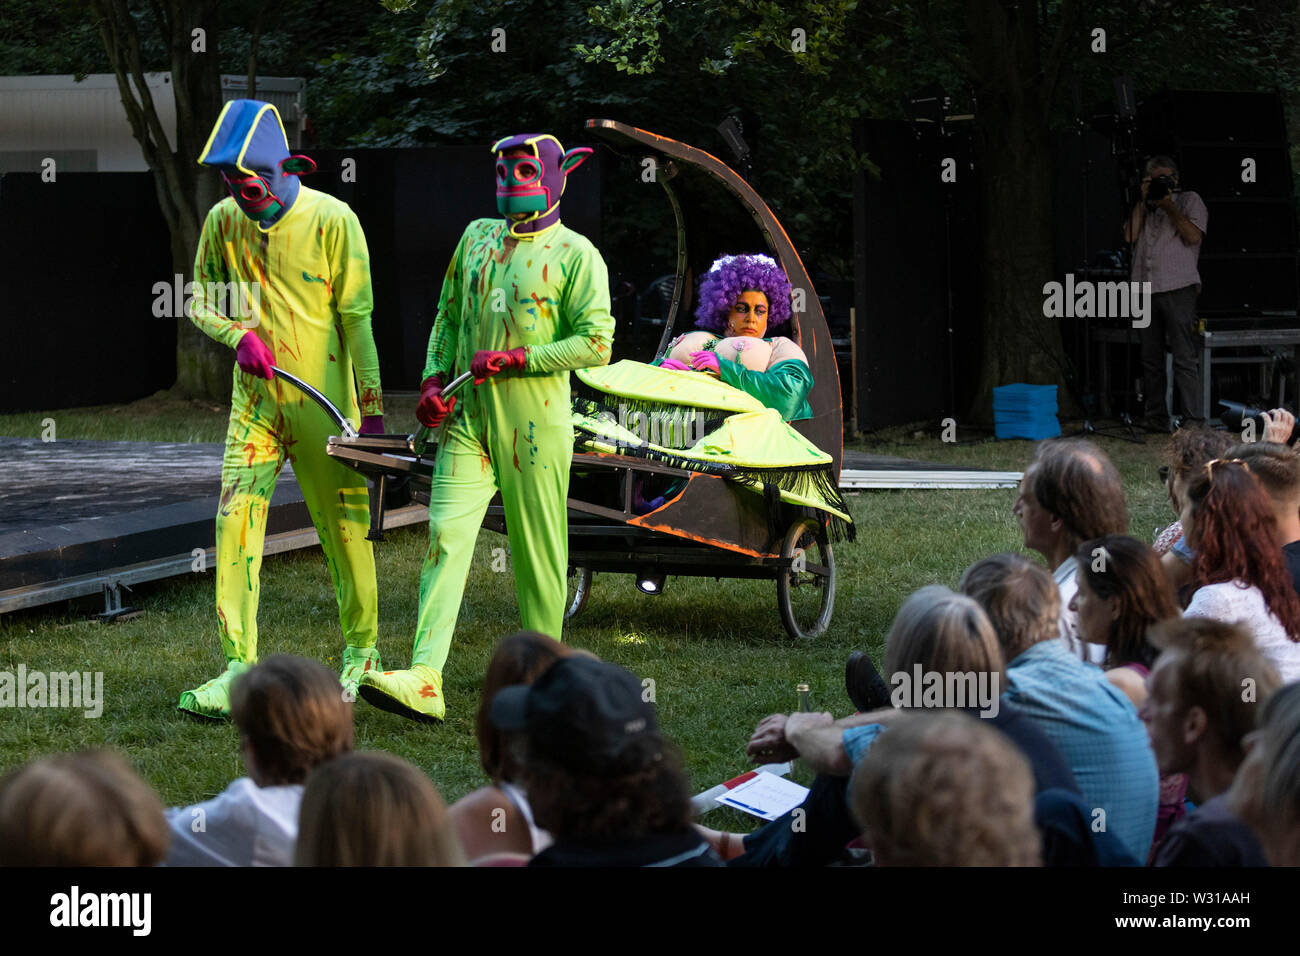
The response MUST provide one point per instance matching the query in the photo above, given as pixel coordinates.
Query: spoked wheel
(805, 591)
(579, 590)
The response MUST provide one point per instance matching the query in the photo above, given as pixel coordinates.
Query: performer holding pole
(304, 256)
(525, 300)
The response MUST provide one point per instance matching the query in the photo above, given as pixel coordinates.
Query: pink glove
(674, 364)
(432, 409)
(705, 362)
(254, 357)
(487, 363)
(373, 425)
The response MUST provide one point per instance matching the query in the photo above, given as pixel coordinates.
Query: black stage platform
(85, 517)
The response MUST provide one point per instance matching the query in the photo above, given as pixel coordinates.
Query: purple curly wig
(732, 275)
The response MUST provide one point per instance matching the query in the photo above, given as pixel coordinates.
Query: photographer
(1165, 228)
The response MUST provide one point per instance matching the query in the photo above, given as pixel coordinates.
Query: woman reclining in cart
(742, 299)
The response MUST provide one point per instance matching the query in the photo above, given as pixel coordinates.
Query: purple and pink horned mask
(532, 169)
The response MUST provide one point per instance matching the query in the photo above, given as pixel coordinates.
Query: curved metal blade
(421, 441)
(457, 383)
(329, 407)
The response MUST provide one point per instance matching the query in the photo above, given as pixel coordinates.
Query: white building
(83, 127)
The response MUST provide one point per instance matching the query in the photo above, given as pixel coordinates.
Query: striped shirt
(1160, 256)
(1097, 729)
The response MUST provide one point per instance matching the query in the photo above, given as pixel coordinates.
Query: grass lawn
(716, 651)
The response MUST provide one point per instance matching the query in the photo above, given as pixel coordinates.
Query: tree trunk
(202, 365)
(1020, 344)
(1014, 153)
(185, 190)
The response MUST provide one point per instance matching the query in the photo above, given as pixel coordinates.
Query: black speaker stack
(1232, 149)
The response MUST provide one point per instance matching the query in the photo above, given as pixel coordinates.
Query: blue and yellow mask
(248, 146)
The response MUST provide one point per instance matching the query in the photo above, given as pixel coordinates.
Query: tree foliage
(801, 73)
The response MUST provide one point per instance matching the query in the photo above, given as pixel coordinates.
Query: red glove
(373, 425)
(487, 363)
(705, 362)
(432, 409)
(674, 364)
(254, 357)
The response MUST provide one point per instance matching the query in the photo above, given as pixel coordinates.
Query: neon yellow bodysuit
(312, 270)
(550, 295)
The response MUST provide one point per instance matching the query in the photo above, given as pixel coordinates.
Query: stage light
(650, 582)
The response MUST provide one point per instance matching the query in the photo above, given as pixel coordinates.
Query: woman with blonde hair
(374, 809)
(81, 809)
(935, 632)
(940, 789)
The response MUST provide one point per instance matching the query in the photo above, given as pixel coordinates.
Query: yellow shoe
(212, 700)
(414, 693)
(356, 661)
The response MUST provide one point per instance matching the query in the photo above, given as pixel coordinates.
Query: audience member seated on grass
(1070, 493)
(83, 809)
(941, 789)
(598, 773)
(496, 821)
(1266, 791)
(1240, 574)
(1122, 592)
(374, 809)
(1277, 469)
(1205, 695)
(291, 718)
(1189, 449)
(1089, 719)
(934, 632)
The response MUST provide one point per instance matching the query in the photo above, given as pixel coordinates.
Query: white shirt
(1230, 602)
(541, 838)
(244, 825)
(1067, 581)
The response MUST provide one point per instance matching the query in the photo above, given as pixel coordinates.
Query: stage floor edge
(82, 547)
(97, 582)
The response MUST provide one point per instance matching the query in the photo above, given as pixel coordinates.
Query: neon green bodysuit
(312, 268)
(513, 433)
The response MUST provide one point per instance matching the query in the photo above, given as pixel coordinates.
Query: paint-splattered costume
(543, 293)
(311, 317)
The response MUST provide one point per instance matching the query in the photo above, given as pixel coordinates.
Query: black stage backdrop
(79, 259)
(915, 245)
(413, 205)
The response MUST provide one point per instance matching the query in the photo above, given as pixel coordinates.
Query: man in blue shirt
(1092, 722)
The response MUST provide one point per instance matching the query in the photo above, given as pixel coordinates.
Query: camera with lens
(1159, 188)
(1235, 413)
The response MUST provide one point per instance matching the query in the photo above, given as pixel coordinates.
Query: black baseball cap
(582, 714)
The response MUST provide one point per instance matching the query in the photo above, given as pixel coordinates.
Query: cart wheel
(579, 590)
(805, 592)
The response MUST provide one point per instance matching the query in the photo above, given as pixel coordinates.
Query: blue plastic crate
(1025, 411)
(1034, 431)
